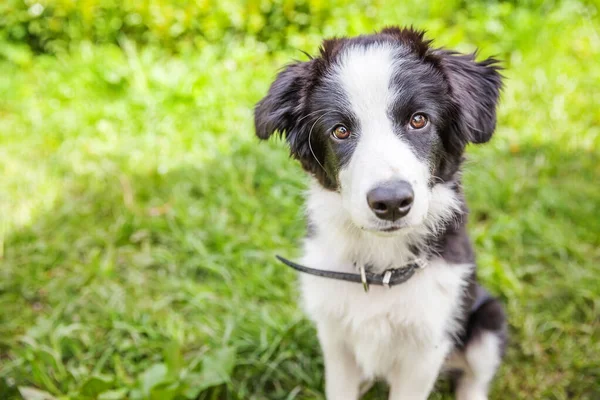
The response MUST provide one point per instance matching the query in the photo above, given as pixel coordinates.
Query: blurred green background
(139, 215)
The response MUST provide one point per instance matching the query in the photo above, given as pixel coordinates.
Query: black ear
(281, 108)
(475, 88)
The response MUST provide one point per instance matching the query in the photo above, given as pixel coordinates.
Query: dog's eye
(418, 121)
(340, 132)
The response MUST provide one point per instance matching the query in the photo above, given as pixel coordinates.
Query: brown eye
(340, 132)
(418, 121)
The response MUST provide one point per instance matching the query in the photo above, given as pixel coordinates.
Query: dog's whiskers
(309, 140)
(473, 128)
(315, 112)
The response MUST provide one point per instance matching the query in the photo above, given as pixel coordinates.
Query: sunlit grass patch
(140, 215)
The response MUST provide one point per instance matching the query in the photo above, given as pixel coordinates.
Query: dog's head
(382, 119)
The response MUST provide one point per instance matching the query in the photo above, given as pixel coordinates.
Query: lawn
(139, 215)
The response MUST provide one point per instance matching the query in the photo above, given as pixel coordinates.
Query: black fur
(458, 91)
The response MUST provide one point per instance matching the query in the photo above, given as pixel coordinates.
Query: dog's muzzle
(391, 200)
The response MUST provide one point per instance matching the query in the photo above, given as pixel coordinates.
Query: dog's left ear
(283, 111)
(475, 88)
(281, 108)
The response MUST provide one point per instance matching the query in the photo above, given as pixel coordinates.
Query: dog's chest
(385, 326)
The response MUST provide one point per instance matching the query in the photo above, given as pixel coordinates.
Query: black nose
(391, 200)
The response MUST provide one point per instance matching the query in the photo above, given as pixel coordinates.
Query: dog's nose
(391, 200)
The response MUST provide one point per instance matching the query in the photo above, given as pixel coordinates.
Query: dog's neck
(332, 231)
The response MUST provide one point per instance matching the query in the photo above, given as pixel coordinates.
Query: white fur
(480, 362)
(402, 334)
(364, 74)
(343, 238)
(398, 334)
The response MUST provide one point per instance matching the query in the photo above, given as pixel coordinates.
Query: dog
(380, 122)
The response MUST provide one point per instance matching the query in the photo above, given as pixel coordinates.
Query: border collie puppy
(380, 122)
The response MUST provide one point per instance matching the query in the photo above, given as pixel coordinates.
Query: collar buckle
(363, 278)
(386, 278)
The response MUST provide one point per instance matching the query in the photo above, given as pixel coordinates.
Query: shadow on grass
(132, 269)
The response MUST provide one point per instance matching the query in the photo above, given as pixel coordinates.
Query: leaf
(217, 367)
(153, 376)
(95, 385)
(30, 393)
(136, 394)
(113, 394)
(192, 387)
(173, 358)
(164, 391)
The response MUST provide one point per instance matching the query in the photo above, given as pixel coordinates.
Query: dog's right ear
(282, 106)
(475, 88)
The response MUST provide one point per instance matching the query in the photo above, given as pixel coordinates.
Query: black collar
(388, 278)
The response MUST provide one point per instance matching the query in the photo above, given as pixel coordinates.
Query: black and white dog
(381, 122)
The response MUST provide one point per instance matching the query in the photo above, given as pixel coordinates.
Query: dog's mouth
(388, 229)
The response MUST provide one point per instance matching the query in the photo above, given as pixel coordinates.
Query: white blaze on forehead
(365, 73)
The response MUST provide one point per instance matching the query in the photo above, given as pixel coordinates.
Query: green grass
(140, 215)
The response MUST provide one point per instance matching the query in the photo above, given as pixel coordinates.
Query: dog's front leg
(342, 374)
(415, 376)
